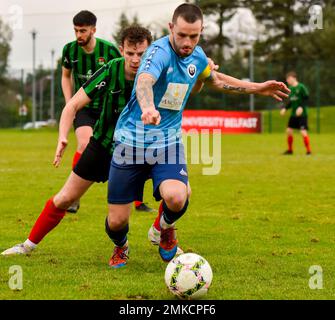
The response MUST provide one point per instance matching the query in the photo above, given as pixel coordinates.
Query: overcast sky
(53, 23)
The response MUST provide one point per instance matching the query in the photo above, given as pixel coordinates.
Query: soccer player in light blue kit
(148, 132)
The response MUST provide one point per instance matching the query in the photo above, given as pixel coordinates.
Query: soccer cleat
(74, 207)
(18, 250)
(119, 257)
(168, 244)
(144, 208)
(288, 152)
(308, 153)
(154, 237)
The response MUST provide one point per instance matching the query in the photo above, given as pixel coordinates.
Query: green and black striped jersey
(110, 85)
(298, 97)
(84, 65)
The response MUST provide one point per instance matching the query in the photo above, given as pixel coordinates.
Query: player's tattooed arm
(144, 91)
(145, 98)
(227, 87)
(228, 84)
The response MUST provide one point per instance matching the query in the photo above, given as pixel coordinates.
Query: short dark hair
(85, 18)
(189, 12)
(292, 74)
(135, 34)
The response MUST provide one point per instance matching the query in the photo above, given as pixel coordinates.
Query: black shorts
(94, 163)
(298, 123)
(86, 117)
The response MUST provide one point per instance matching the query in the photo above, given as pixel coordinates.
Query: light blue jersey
(175, 77)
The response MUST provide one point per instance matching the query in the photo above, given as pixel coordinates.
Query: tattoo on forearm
(144, 93)
(232, 88)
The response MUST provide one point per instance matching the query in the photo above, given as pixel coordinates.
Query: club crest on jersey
(101, 61)
(191, 70)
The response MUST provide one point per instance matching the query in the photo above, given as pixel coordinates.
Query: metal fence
(317, 75)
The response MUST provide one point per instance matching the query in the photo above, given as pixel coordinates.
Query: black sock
(171, 217)
(118, 237)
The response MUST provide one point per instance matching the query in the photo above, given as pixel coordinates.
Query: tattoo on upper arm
(232, 88)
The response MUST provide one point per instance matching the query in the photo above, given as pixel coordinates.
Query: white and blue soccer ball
(188, 276)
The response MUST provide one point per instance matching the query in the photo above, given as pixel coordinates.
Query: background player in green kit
(81, 59)
(298, 99)
(112, 84)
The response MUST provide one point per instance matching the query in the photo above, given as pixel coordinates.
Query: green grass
(261, 223)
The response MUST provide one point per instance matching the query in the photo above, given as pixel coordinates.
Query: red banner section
(226, 121)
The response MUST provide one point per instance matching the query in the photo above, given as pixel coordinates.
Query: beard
(180, 52)
(84, 43)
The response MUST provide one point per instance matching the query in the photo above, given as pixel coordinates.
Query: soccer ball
(188, 276)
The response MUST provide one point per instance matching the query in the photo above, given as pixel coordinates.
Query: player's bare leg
(73, 189)
(53, 212)
(117, 227)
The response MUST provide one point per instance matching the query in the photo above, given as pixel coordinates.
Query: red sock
(137, 203)
(290, 142)
(157, 223)
(75, 159)
(48, 219)
(307, 144)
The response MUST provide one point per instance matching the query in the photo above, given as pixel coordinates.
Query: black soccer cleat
(288, 152)
(74, 207)
(308, 153)
(144, 208)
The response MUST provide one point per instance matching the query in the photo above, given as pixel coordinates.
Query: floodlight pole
(34, 81)
(251, 76)
(52, 87)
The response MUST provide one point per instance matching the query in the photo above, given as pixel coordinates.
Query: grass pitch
(261, 223)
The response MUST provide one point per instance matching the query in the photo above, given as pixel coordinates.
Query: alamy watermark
(169, 146)
(315, 17)
(316, 279)
(15, 281)
(15, 17)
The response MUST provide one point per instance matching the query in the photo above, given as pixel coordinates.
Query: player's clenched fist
(151, 116)
(62, 143)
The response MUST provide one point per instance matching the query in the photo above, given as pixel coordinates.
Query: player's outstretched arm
(77, 102)
(228, 84)
(145, 98)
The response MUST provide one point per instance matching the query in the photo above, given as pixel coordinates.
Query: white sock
(164, 224)
(30, 244)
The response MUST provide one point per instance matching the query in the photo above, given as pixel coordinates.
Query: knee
(116, 223)
(304, 133)
(63, 201)
(176, 200)
(81, 147)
